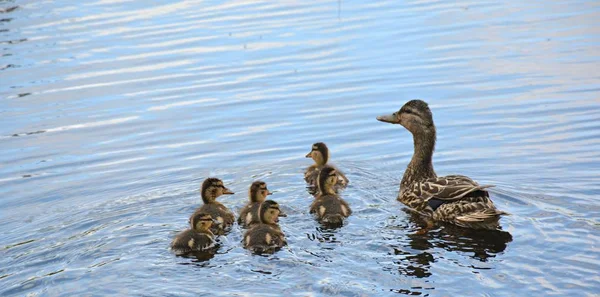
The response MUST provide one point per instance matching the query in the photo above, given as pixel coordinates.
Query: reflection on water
(415, 256)
(113, 112)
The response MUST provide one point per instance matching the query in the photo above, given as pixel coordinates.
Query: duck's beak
(390, 118)
(227, 191)
(309, 155)
(269, 192)
(282, 214)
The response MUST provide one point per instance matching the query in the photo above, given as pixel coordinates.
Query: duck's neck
(421, 165)
(208, 197)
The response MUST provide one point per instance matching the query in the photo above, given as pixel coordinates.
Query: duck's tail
(487, 218)
(333, 219)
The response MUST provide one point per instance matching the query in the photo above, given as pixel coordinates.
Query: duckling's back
(330, 209)
(311, 175)
(249, 215)
(191, 241)
(220, 213)
(263, 238)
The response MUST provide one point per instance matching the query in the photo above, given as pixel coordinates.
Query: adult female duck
(454, 199)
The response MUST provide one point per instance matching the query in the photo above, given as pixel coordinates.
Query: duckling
(257, 194)
(266, 236)
(211, 189)
(198, 238)
(454, 199)
(320, 154)
(328, 207)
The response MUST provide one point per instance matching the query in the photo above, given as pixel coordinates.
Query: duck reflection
(479, 244)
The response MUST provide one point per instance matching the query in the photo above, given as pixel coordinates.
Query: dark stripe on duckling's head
(200, 217)
(325, 173)
(265, 207)
(212, 188)
(256, 189)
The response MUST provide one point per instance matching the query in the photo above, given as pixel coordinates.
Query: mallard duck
(211, 189)
(266, 236)
(455, 199)
(320, 154)
(328, 207)
(257, 194)
(198, 238)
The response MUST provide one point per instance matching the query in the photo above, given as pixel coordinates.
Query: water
(113, 112)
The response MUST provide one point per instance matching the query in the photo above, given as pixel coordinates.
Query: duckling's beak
(282, 214)
(269, 192)
(390, 118)
(227, 191)
(309, 155)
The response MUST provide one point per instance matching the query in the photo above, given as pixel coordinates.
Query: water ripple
(113, 112)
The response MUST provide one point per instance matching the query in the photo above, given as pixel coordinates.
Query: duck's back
(455, 199)
(311, 176)
(330, 209)
(249, 214)
(263, 238)
(219, 213)
(191, 241)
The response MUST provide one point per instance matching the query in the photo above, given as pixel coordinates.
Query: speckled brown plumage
(454, 199)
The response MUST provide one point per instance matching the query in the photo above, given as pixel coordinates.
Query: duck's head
(415, 116)
(319, 153)
(213, 188)
(201, 222)
(327, 180)
(270, 212)
(258, 191)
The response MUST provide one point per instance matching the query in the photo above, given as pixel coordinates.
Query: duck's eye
(408, 111)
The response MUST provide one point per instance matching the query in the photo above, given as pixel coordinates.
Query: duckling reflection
(196, 239)
(257, 194)
(266, 237)
(320, 154)
(329, 208)
(211, 189)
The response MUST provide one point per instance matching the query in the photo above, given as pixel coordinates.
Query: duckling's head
(327, 180)
(213, 188)
(270, 212)
(415, 116)
(258, 191)
(319, 153)
(201, 222)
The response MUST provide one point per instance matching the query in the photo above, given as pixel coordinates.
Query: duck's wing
(447, 188)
